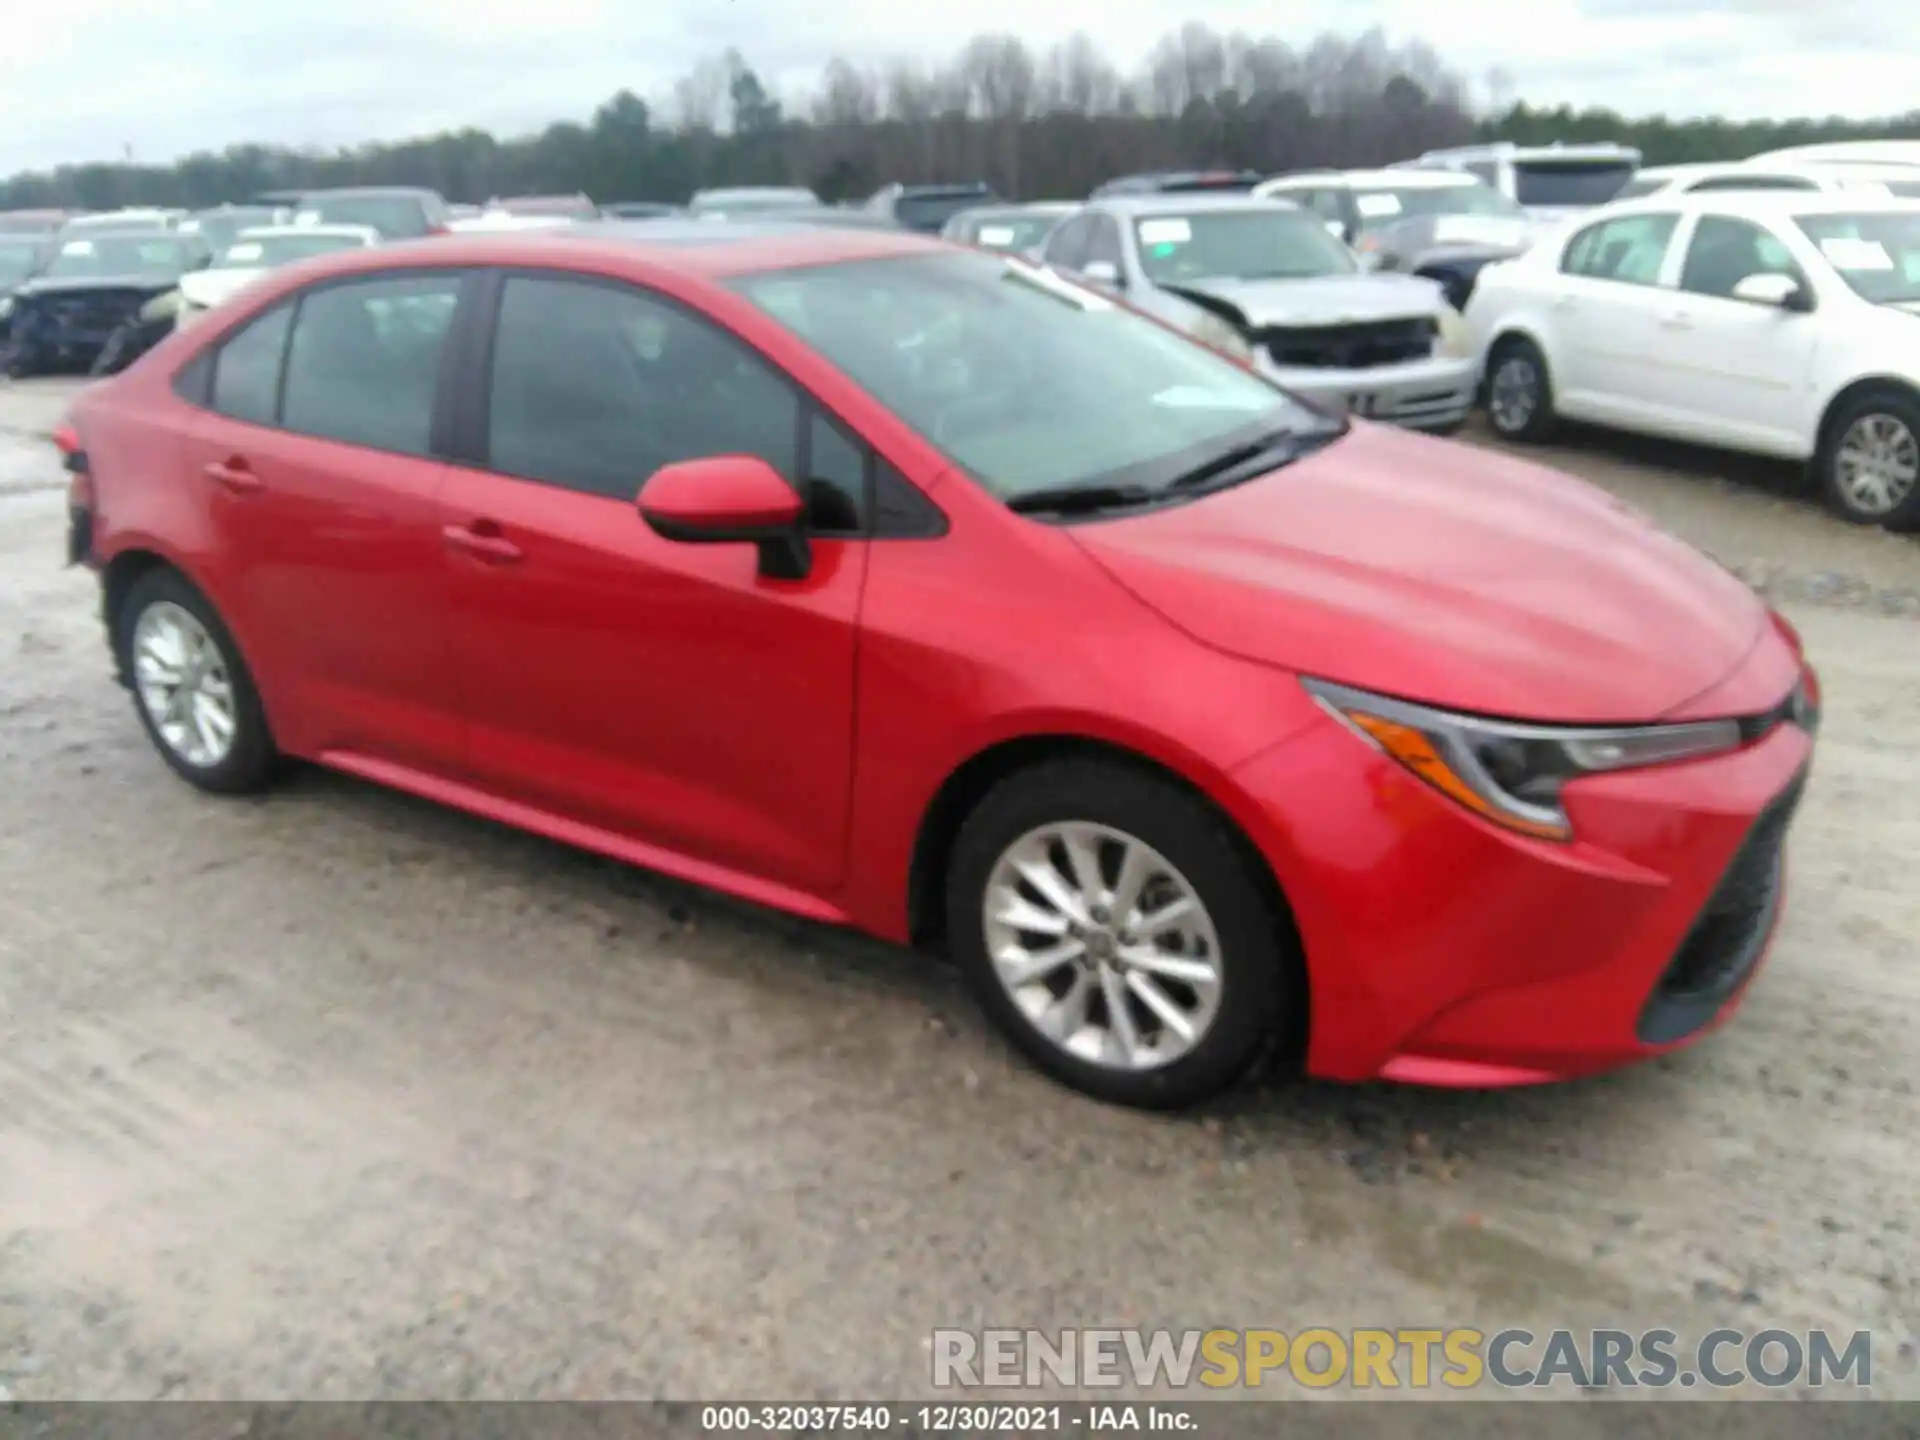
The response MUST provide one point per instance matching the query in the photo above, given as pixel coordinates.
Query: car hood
(79, 285)
(1326, 300)
(1443, 573)
(207, 288)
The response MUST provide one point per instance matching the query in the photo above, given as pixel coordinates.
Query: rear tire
(1200, 996)
(191, 686)
(1869, 463)
(1520, 392)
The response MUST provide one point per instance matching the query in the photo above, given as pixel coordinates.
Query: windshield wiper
(1079, 499)
(1228, 460)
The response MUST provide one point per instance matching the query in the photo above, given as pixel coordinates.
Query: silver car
(1264, 281)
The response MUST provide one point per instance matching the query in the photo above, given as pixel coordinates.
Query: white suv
(1773, 322)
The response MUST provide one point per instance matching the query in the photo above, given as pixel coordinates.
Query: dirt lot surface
(336, 1094)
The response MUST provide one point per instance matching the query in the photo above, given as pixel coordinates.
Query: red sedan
(913, 589)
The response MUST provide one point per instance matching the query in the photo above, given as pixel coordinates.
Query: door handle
(233, 474)
(483, 541)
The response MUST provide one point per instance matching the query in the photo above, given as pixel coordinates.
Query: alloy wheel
(1104, 947)
(1514, 395)
(1877, 464)
(183, 684)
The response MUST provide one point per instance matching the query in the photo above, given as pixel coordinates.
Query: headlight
(1219, 333)
(1456, 336)
(1511, 774)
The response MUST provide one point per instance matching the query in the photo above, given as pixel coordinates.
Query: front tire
(1869, 466)
(1113, 927)
(191, 687)
(1520, 392)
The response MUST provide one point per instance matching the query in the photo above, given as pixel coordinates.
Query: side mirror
(1772, 288)
(1101, 272)
(730, 499)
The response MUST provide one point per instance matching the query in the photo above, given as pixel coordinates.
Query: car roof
(1186, 202)
(1758, 203)
(154, 234)
(1394, 179)
(702, 248)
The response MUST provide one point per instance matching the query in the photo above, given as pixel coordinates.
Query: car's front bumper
(1443, 950)
(1431, 394)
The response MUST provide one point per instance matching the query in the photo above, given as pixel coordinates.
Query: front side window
(1725, 251)
(1628, 250)
(1067, 247)
(1023, 380)
(246, 372)
(595, 387)
(1265, 244)
(1877, 253)
(102, 256)
(364, 363)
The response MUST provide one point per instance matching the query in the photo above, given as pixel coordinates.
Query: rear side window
(1628, 250)
(364, 363)
(595, 387)
(246, 373)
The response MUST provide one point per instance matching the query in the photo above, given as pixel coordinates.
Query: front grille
(1727, 937)
(1352, 347)
(89, 313)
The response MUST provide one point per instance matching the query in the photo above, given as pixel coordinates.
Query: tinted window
(1724, 252)
(1264, 244)
(1569, 182)
(1067, 246)
(364, 364)
(1022, 379)
(246, 373)
(1751, 182)
(836, 479)
(595, 387)
(398, 217)
(929, 212)
(1629, 249)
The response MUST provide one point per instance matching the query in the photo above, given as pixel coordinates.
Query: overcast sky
(81, 79)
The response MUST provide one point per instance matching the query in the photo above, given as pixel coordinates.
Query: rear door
(1605, 315)
(317, 456)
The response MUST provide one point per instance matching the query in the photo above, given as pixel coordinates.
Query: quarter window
(246, 372)
(364, 363)
(1628, 250)
(595, 387)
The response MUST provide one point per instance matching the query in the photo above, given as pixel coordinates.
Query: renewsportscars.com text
(1459, 1358)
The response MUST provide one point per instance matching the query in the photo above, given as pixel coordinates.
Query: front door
(670, 693)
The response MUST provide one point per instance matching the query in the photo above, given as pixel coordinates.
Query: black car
(91, 287)
(1176, 182)
(926, 208)
(397, 212)
(22, 256)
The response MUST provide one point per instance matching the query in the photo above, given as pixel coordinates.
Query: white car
(1880, 180)
(494, 221)
(1774, 322)
(257, 250)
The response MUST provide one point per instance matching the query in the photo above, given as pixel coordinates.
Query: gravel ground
(336, 1094)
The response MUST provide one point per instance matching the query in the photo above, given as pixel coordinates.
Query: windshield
(1008, 232)
(263, 250)
(1569, 182)
(103, 255)
(17, 261)
(1876, 253)
(1266, 244)
(1387, 205)
(398, 217)
(1023, 380)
